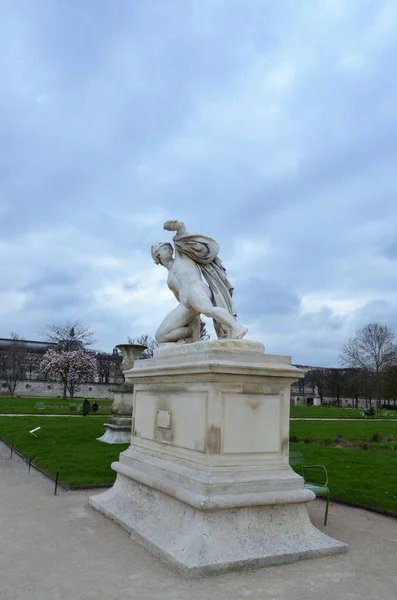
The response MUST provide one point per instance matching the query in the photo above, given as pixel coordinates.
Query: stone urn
(130, 352)
(118, 426)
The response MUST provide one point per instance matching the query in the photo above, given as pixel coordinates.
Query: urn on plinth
(118, 426)
(130, 352)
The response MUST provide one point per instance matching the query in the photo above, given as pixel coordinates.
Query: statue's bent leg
(173, 328)
(199, 300)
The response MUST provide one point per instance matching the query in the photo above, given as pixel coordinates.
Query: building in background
(34, 383)
(321, 386)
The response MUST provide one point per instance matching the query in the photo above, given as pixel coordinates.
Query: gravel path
(57, 548)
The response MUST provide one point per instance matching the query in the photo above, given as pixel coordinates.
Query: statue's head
(162, 253)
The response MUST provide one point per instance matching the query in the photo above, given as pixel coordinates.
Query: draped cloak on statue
(204, 251)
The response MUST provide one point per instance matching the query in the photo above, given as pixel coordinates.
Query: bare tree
(12, 363)
(72, 335)
(389, 385)
(354, 385)
(145, 340)
(32, 364)
(104, 362)
(335, 382)
(317, 379)
(372, 349)
(109, 366)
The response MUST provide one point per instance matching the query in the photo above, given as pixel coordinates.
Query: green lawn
(355, 431)
(65, 445)
(363, 477)
(323, 412)
(57, 406)
(52, 406)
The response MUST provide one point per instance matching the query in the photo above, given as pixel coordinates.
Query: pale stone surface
(201, 542)
(119, 425)
(130, 352)
(116, 434)
(222, 464)
(192, 257)
(57, 548)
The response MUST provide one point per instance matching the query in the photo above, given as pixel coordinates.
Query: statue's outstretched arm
(175, 225)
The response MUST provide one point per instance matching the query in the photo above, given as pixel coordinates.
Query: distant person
(86, 407)
(95, 406)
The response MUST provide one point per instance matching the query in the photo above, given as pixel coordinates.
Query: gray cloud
(259, 297)
(390, 250)
(51, 277)
(269, 126)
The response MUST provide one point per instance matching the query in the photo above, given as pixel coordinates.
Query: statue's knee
(159, 336)
(208, 311)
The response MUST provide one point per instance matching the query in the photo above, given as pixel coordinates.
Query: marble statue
(206, 483)
(195, 257)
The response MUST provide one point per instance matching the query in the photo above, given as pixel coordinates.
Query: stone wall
(50, 389)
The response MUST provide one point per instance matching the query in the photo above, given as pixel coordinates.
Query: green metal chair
(297, 460)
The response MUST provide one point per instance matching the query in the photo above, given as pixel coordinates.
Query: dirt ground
(58, 548)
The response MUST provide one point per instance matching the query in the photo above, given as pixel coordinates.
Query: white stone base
(116, 435)
(203, 542)
(206, 482)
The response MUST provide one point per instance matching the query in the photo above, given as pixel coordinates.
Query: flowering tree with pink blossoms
(71, 367)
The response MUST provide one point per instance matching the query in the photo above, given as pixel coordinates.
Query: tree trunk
(64, 379)
(378, 389)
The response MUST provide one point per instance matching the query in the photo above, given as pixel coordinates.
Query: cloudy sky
(270, 125)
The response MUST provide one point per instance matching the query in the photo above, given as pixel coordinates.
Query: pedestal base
(117, 434)
(203, 542)
(206, 482)
(119, 425)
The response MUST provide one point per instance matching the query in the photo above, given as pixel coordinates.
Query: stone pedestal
(206, 483)
(119, 425)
